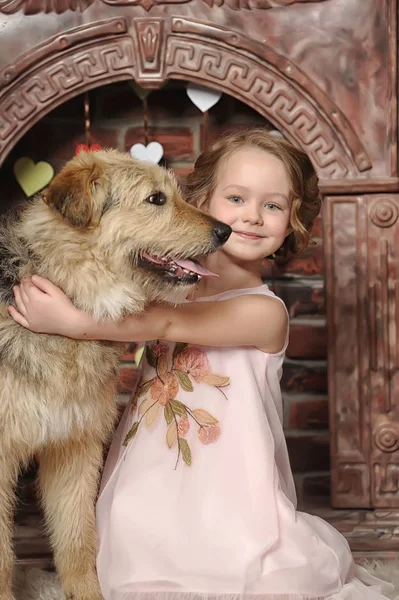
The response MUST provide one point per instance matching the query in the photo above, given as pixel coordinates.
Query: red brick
(309, 414)
(128, 377)
(178, 143)
(309, 262)
(307, 341)
(182, 171)
(11, 193)
(74, 108)
(316, 486)
(119, 101)
(57, 141)
(309, 452)
(301, 300)
(300, 377)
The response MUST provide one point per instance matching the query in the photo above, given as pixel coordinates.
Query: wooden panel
(349, 389)
(383, 307)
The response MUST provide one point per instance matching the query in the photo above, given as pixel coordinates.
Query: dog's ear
(77, 192)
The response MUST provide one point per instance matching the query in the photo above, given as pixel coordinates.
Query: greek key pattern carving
(285, 105)
(38, 91)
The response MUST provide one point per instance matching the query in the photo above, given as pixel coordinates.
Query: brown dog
(114, 234)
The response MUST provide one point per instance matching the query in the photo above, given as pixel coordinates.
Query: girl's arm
(247, 320)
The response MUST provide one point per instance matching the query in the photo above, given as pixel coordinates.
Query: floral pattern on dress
(157, 396)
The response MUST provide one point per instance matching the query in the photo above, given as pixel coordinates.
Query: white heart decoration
(203, 97)
(275, 132)
(151, 153)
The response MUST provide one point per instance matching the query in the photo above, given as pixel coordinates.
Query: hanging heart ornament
(203, 97)
(153, 152)
(31, 176)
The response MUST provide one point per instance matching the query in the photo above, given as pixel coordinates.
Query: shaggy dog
(114, 234)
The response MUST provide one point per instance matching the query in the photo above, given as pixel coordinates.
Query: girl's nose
(253, 215)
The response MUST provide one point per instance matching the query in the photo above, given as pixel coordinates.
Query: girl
(197, 499)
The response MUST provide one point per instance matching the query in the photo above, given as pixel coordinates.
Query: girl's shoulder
(257, 290)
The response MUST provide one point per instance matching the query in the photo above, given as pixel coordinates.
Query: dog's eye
(158, 198)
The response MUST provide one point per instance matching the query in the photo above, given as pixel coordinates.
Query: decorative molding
(266, 90)
(352, 481)
(384, 213)
(55, 82)
(78, 35)
(151, 57)
(386, 484)
(386, 437)
(33, 7)
(265, 56)
(150, 42)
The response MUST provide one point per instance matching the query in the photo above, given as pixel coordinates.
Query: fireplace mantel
(324, 72)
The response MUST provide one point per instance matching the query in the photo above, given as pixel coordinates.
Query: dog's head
(131, 215)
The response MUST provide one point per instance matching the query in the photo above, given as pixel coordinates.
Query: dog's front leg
(68, 481)
(9, 468)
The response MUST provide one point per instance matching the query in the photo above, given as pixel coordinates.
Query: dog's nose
(221, 232)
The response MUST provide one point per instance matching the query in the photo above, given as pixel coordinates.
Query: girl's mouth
(249, 236)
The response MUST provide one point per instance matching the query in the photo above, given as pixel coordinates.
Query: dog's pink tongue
(196, 268)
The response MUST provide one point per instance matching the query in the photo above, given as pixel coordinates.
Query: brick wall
(117, 120)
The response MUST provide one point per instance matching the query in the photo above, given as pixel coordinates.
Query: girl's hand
(43, 308)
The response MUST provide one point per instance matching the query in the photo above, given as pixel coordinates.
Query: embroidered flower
(159, 349)
(159, 396)
(208, 434)
(194, 362)
(183, 427)
(166, 389)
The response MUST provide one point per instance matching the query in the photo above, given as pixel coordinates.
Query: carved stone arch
(152, 50)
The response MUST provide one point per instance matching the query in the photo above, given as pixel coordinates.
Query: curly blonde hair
(305, 194)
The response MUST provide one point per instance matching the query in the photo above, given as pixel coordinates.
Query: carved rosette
(384, 213)
(386, 437)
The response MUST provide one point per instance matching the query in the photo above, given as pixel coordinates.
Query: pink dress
(197, 498)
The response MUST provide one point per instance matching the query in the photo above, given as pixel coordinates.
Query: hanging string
(87, 119)
(145, 116)
(206, 130)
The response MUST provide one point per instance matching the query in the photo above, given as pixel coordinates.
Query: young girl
(197, 499)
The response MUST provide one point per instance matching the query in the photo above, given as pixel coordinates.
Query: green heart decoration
(139, 91)
(31, 176)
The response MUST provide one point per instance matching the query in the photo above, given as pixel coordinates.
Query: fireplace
(323, 73)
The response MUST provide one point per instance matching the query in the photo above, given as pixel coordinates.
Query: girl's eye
(272, 206)
(235, 199)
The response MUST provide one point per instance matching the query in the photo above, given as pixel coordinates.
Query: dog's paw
(84, 597)
(87, 589)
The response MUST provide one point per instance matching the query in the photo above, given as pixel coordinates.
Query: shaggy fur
(87, 233)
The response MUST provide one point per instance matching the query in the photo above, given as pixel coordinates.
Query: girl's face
(253, 196)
